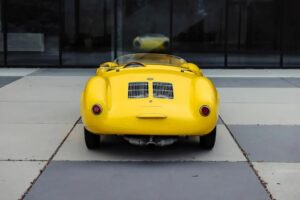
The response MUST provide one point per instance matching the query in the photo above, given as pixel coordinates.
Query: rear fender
(206, 94)
(95, 92)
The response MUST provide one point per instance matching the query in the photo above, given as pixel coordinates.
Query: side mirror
(105, 66)
(109, 65)
(193, 67)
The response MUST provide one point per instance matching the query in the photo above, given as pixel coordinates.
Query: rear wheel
(92, 141)
(208, 141)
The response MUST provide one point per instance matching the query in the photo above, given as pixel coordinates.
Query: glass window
(198, 31)
(1, 37)
(291, 33)
(87, 32)
(254, 33)
(143, 26)
(33, 32)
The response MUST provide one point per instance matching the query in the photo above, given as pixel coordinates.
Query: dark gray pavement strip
(4, 80)
(50, 159)
(64, 72)
(251, 82)
(293, 81)
(147, 180)
(269, 143)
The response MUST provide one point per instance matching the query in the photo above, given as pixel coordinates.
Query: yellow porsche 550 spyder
(149, 99)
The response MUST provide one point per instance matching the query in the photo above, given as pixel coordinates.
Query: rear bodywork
(150, 115)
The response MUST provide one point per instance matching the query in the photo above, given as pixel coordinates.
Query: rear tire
(92, 141)
(207, 142)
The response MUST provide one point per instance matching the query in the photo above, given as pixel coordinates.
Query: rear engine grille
(138, 90)
(162, 90)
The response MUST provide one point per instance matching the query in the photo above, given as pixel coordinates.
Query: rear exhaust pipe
(150, 140)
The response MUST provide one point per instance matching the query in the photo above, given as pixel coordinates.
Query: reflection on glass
(291, 33)
(87, 32)
(253, 33)
(143, 26)
(33, 32)
(198, 31)
(151, 43)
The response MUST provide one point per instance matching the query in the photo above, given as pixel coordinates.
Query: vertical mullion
(4, 28)
(281, 36)
(61, 30)
(115, 29)
(239, 26)
(226, 34)
(77, 19)
(105, 17)
(171, 27)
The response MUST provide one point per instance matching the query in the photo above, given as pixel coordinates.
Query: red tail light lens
(204, 111)
(97, 110)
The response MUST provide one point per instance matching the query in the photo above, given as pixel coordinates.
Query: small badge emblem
(150, 79)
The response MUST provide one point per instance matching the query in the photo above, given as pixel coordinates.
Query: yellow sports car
(151, 42)
(149, 99)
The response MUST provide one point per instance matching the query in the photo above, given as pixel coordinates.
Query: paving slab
(283, 179)
(147, 180)
(260, 113)
(39, 112)
(293, 81)
(15, 93)
(116, 149)
(260, 95)
(272, 143)
(16, 71)
(16, 177)
(251, 82)
(52, 81)
(65, 72)
(31, 141)
(4, 80)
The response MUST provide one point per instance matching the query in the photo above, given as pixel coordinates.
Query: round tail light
(204, 111)
(97, 110)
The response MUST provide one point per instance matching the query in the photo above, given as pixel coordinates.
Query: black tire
(208, 141)
(92, 141)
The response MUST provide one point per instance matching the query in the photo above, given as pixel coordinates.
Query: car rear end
(150, 102)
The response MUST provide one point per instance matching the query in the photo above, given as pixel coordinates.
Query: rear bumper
(151, 126)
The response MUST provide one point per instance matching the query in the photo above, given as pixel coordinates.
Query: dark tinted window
(253, 33)
(33, 32)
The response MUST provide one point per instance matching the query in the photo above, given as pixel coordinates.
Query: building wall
(211, 33)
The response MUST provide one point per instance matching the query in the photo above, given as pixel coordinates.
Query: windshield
(151, 58)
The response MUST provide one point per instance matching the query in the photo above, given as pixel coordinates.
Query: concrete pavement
(43, 155)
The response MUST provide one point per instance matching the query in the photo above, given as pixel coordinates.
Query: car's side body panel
(149, 116)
